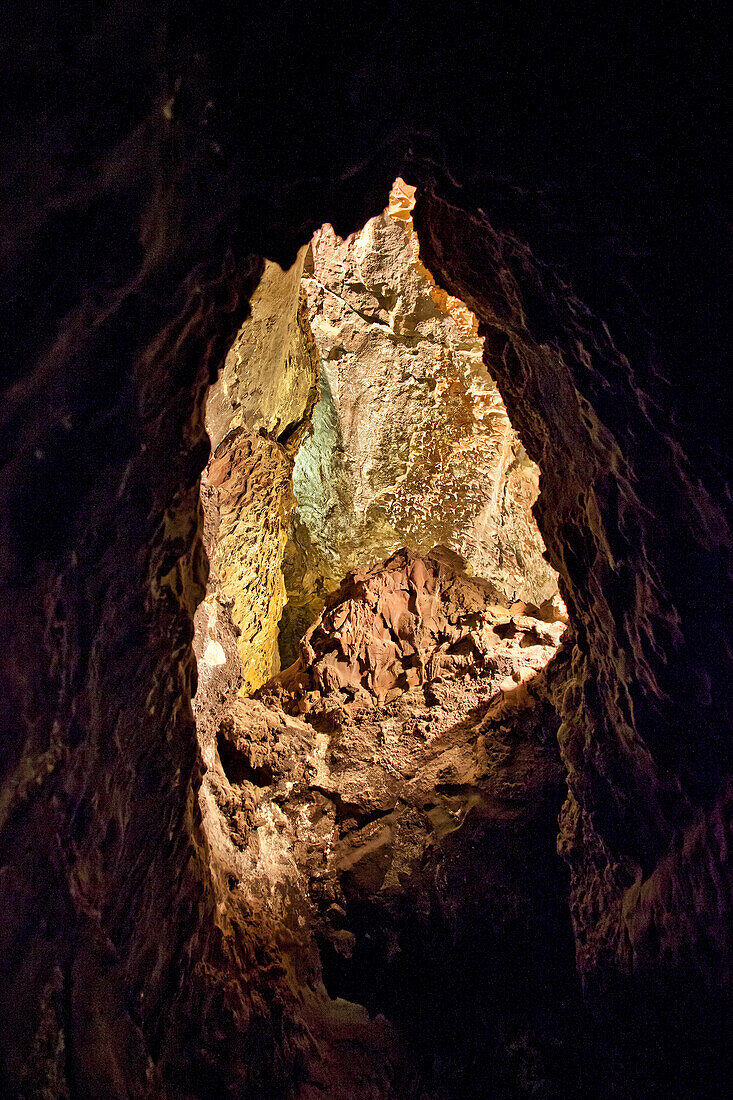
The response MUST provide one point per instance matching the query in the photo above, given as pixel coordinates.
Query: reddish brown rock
(404, 624)
(335, 823)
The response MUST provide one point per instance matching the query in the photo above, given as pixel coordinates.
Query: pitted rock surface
(256, 415)
(410, 442)
(402, 624)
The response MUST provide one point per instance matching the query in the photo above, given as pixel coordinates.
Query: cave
(263, 835)
(372, 694)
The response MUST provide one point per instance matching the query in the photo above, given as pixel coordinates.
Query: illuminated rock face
(409, 622)
(256, 416)
(385, 812)
(410, 444)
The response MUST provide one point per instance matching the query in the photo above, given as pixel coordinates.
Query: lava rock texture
(569, 176)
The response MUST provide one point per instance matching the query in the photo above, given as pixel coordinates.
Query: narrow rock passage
(382, 814)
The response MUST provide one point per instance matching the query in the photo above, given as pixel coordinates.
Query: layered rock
(411, 443)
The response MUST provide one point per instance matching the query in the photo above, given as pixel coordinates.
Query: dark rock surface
(642, 691)
(571, 174)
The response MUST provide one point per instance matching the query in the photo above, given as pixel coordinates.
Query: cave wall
(152, 154)
(257, 413)
(647, 892)
(410, 443)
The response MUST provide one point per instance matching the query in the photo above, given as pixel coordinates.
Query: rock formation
(395, 627)
(640, 881)
(413, 743)
(569, 190)
(410, 442)
(256, 416)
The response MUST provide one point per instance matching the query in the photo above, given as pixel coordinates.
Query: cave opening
(374, 703)
(360, 408)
